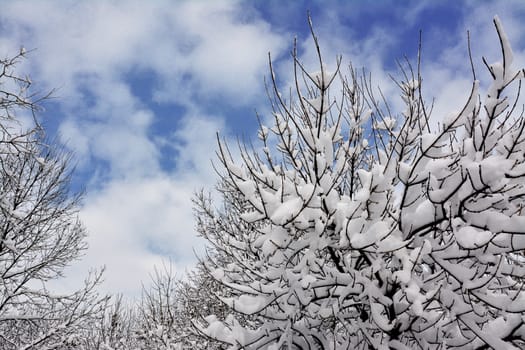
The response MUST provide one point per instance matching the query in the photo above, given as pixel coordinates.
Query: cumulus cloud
(199, 58)
(138, 212)
(138, 222)
(206, 45)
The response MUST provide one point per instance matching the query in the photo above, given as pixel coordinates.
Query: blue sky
(143, 86)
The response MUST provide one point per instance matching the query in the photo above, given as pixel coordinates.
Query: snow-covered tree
(164, 316)
(159, 325)
(357, 228)
(40, 233)
(115, 330)
(196, 299)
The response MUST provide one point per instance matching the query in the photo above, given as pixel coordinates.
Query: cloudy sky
(142, 87)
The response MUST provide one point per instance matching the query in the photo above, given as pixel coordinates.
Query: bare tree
(371, 230)
(40, 233)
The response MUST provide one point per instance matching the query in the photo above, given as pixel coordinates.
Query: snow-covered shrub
(371, 230)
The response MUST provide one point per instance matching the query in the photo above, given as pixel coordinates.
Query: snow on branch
(367, 229)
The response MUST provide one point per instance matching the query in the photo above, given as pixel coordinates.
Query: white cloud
(196, 53)
(137, 213)
(220, 54)
(140, 221)
(135, 223)
(206, 46)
